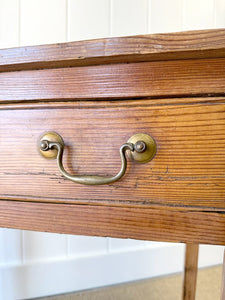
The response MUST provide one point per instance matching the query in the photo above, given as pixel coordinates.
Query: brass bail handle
(141, 148)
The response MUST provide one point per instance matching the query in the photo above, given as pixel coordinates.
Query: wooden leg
(223, 280)
(190, 273)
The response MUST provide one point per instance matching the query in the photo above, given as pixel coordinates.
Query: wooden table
(97, 94)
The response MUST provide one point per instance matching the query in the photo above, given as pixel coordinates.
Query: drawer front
(188, 169)
(114, 81)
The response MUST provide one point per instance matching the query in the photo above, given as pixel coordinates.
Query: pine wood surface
(174, 224)
(133, 80)
(172, 46)
(188, 169)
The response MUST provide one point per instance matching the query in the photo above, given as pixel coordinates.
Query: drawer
(187, 170)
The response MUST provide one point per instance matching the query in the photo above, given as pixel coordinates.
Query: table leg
(190, 273)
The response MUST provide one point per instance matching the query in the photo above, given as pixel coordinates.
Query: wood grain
(181, 45)
(188, 169)
(190, 272)
(134, 80)
(160, 224)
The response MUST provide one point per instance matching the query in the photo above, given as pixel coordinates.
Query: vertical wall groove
(67, 21)
(214, 14)
(110, 18)
(19, 24)
(148, 29)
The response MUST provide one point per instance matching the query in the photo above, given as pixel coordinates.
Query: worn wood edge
(185, 226)
(190, 271)
(166, 46)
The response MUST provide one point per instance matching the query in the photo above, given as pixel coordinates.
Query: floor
(163, 288)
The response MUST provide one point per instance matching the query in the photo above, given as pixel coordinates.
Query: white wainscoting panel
(9, 23)
(198, 14)
(40, 246)
(88, 19)
(210, 255)
(129, 17)
(166, 16)
(81, 273)
(10, 247)
(126, 244)
(219, 16)
(43, 21)
(86, 246)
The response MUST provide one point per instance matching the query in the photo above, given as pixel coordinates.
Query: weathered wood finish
(190, 271)
(172, 224)
(188, 169)
(169, 86)
(179, 45)
(134, 80)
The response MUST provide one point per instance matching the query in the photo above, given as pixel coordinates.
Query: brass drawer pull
(141, 147)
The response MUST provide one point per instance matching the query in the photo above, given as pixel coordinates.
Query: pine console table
(141, 121)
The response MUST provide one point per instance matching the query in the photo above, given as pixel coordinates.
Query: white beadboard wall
(34, 264)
